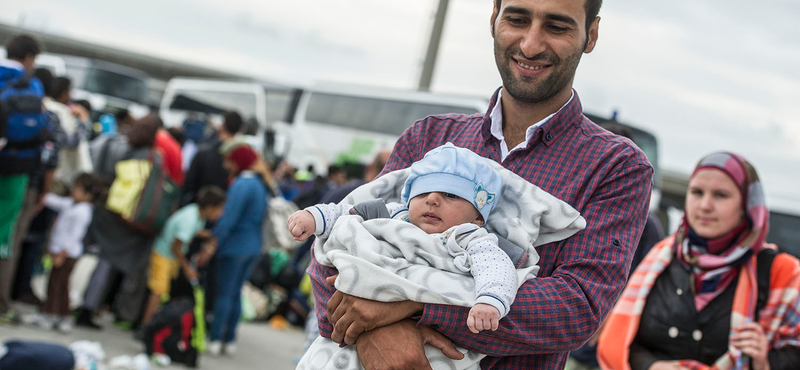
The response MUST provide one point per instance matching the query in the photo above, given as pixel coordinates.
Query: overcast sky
(701, 75)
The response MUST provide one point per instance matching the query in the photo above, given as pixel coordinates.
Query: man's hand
(302, 225)
(80, 112)
(483, 316)
(352, 315)
(401, 346)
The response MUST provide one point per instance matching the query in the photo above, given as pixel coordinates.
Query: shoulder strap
(763, 269)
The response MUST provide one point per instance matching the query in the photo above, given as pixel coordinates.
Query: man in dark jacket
(206, 167)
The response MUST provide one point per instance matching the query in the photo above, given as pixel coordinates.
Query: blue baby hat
(458, 171)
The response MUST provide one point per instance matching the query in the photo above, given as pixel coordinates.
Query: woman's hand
(666, 365)
(750, 339)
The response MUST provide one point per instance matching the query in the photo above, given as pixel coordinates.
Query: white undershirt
(497, 126)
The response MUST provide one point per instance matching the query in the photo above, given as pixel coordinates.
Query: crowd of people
(602, 290)
(61, 190)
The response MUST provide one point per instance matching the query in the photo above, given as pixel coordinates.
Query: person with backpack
(713, 295)
(22, 132)
(124, 251)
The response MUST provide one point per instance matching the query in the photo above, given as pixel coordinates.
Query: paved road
(259, 346)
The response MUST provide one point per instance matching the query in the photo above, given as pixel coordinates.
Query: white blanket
(389, 260)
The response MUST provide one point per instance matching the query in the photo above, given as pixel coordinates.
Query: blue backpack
(22, 126)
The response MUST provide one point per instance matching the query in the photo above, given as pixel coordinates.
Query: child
(66, 246)
(170, 247)
(448, 194)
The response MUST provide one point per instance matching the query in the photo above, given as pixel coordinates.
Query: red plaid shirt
(605, 177)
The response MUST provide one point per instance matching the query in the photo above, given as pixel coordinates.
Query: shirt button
(697, 335)
(616, 242)
(673, 332)
(548, 137)
(679, 291)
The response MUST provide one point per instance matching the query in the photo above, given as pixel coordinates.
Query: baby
(449, 194)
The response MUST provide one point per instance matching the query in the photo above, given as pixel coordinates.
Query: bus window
(369, 114)
(117, 85)
(278, 105)
(215, 102)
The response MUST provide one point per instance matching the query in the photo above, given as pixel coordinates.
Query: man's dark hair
(233, 122)
(177, 134)
(592, 8)
(121, 115)
(22, 46)
(46, 78)
(85, 103)
(60, 86)
(210, 196)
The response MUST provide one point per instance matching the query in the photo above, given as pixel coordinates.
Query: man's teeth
(530, 67)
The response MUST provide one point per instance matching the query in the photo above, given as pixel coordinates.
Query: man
(74, 157)
(19, 158)
(39, 184)
(206, 167)
(535, 128)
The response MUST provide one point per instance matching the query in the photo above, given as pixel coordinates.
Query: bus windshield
(108, 83)
(215, 102)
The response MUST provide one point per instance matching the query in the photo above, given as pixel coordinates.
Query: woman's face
(713, 204)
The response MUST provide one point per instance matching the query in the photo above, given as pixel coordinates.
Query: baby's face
(436, 212)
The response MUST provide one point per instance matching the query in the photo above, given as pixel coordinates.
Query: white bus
(320, 125)
(336, 122)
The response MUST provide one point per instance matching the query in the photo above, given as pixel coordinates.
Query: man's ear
(592, 35)
(493, 18)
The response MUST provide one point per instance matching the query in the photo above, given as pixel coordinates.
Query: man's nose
(533, 42)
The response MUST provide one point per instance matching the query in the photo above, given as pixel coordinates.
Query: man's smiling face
(538, 45)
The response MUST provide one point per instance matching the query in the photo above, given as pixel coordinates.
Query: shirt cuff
(494, 302)
(319, 219)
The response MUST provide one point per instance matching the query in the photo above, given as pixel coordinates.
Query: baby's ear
(479, 221)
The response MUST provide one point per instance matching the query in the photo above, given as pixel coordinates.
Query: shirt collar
(12, 64)
(496, 119)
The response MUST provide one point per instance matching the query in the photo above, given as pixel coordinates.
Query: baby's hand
(302, 225)
(483, 316)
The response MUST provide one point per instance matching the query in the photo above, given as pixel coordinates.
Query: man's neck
(519, 115)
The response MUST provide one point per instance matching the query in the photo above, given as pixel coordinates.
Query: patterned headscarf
(714, 263)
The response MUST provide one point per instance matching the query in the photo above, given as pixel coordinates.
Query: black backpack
(170, 332)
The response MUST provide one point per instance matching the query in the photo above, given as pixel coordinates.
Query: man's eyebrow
(551, 16)
(561, 18)
(517, 10)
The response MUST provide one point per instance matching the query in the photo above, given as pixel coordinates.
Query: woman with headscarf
(713, 295)
(238, 234)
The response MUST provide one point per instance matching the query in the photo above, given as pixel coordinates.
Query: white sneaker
(45, 322)
(65, 325)
(230, 348)
(214, 348)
